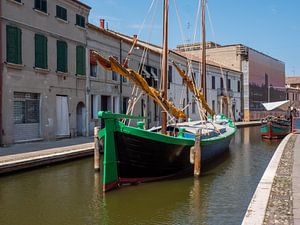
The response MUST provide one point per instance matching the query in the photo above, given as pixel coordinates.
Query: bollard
(96, 149)
(197, 155)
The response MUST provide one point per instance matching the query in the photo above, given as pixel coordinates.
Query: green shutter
(41, 55)
(44, 5)
(13, 45)
(80, 60)
(77, 20)
(62, 56)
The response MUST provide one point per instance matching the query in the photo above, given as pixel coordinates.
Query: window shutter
(77, 20)
(45, 52)
(62, 56)
(19, 46)
(13, 45)
(37, 4)
(58, 12)
(80, 60)
(10, 44)
(44, 5)
(41, 56)
(38, 51)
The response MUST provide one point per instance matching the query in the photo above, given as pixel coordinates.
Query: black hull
(151, 161)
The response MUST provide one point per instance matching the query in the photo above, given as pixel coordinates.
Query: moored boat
(273, 127)
(135, 155)
(276, 127)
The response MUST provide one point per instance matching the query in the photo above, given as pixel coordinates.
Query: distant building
(293, 90)
(263, 76)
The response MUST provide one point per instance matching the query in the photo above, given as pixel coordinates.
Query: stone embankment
(277, 197)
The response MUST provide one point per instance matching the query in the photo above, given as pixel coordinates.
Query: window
(239, 86)
(115, 104)
(221, 83)
(61, 13)
(41, 57)
(80, 20)
(143, 107)
(228, 84)
(13, 45)
(125, 104)
(193, 106)
(62, 56)
(41, 5)
(80, 60)
(213, 105)
(93, 70)
(26, 107)
(155, 111)
(114, 76)
(213, 82)
(170, 78)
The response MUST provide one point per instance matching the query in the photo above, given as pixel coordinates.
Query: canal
(70, 193)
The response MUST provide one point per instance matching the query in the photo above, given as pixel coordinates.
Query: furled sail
(191, 86)
(137, 79)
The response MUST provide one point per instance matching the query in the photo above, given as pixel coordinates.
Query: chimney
(134, 39)
(102, 22)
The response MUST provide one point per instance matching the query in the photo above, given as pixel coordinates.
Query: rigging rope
(228, 99)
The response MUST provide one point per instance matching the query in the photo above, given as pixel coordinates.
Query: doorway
(80, 118)
(62, 116)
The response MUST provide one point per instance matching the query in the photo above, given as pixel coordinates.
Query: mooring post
(96, 149)
(197, 155)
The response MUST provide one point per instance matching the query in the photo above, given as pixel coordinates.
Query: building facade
(263, 76)
(44, 65)
(293, 90)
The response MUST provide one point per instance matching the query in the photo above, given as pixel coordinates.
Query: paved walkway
(277, 197)
(27, 155)
(296, 181)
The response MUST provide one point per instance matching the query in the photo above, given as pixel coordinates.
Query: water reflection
(71, 193)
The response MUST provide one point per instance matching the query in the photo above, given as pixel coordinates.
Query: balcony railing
(223, 92)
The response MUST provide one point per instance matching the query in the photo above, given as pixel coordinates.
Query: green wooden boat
(134, 155)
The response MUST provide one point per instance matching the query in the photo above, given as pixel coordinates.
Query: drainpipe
(1, 76)
(87, 84)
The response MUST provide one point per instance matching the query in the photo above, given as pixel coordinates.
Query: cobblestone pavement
(280, 205)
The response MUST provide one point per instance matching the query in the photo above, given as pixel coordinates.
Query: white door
(62, 116)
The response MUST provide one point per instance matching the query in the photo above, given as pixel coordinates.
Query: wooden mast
(164, 67)
(203, 75)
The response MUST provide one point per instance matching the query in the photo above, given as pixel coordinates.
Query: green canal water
(70, 193)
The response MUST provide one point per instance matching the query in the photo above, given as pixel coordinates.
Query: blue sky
(268, 26)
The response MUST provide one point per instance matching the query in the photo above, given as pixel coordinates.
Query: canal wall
(257, 208)
(247, 124)
(41, 154)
